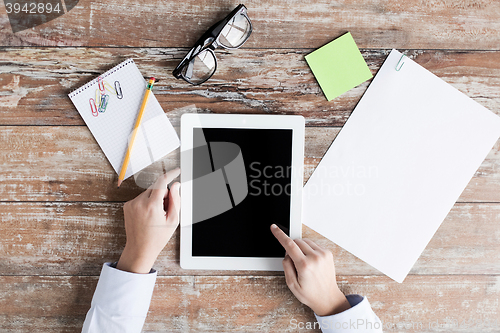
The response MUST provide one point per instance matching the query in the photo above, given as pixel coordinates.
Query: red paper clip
(93, 107)
(100, 84)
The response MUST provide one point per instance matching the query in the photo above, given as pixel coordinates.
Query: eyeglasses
(200, 63)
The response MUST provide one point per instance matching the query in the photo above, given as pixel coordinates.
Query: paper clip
(109, 88)
(97, 98)
(93, 107)
(100, 84)
(118, 90)
(400, 63)
(104, 103)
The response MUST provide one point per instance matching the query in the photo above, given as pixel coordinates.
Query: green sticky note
(338, 66)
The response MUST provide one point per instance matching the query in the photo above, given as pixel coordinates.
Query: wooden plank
(247, 81)
(255, 303)
(77, 238)
(61, 163)
(446, 24)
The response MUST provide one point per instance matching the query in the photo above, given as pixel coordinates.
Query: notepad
(338, 66)
(397, 167)
(125, 86)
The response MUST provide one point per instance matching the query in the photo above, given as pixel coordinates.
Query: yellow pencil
(149, 87)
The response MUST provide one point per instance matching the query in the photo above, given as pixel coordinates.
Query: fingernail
(274, 226)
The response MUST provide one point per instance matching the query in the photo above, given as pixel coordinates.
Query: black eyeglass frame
(209, 41)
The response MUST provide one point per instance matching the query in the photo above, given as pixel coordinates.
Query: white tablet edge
(190, 121)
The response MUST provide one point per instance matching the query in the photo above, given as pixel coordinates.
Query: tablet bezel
(190, 121)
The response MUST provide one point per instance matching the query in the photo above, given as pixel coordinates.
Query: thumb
(290, 274)
(174, 204)
(159, 188)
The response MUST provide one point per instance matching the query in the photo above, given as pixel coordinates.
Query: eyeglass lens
(235, 32)
(202, 67)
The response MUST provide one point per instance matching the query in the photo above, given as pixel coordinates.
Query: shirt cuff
(359, 318)
(124, 293)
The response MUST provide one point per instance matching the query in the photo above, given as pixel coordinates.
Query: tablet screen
(243, 230)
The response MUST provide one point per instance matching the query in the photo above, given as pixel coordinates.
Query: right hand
(310, 274)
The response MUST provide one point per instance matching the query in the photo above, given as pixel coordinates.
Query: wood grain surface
(247, 81)
(61, 215)
(75, 238)
(415, 24)
(61, 163)
(463, 303)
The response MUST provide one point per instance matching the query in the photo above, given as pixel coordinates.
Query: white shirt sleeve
(359, 318)
(121, 301)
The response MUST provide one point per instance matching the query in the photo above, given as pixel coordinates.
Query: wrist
(336, 303)
(133, 261)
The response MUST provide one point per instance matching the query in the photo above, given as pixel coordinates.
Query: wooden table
(61, 214)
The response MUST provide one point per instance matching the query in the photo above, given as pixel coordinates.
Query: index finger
(159, 188)
(290, 246)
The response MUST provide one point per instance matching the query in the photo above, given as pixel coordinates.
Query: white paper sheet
(112, 128)
(395, 170)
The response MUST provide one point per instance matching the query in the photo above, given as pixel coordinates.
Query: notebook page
(112, 128)
(389, 179)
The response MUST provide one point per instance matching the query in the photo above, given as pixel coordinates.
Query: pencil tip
(119, 183)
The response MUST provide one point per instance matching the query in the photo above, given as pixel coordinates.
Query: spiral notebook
(407, 152)
(109, 105)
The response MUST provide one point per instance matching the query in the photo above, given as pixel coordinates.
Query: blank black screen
(243, 231)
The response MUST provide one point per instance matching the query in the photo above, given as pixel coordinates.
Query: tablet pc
(239, 175)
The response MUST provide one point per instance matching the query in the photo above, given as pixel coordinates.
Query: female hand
(310, 275)
(150, 221)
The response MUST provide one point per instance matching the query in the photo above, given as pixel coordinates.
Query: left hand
(148, 225)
